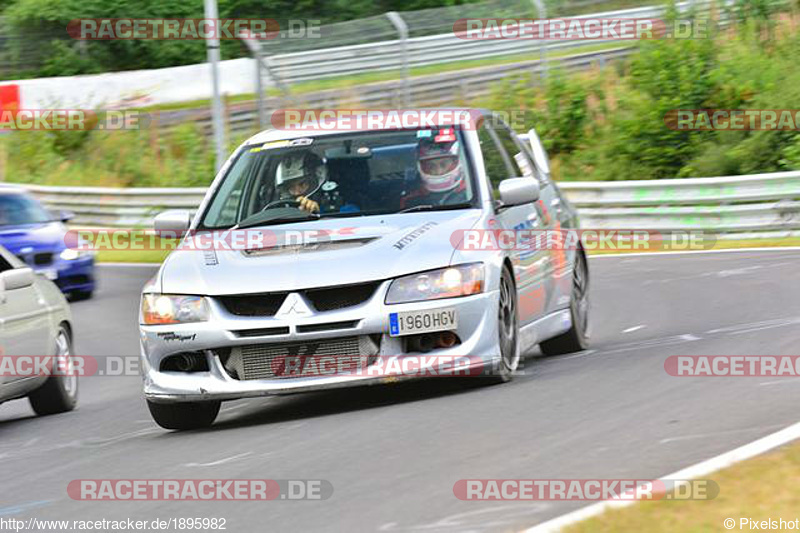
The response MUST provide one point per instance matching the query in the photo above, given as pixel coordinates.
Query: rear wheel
(184, 415)
(60, 392)
(577, 338)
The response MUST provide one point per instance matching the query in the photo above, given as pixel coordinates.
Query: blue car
(34, 235)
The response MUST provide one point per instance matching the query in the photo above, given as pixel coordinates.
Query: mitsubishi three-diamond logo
(294, 306)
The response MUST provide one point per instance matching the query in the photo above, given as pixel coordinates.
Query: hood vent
(308, 247)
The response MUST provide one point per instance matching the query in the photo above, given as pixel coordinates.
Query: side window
(522, 165)
(544, 181)
(4, 265)
(495, 159)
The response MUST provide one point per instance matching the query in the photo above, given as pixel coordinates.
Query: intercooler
(323, 357)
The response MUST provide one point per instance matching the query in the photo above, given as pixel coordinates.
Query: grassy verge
(759, 489)
(722, 244)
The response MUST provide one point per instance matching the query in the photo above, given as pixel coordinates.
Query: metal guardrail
(437, 49)
(757, 205)
(448, 88)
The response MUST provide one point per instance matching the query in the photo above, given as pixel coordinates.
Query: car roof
(274, 134)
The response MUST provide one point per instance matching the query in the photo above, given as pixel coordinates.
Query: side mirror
(539, 153)
(65, 216)
(518, 191)
(17, 278)
(177, 221)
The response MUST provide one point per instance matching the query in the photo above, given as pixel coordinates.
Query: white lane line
(221, 461)
(787, 379)
(771, 427)
(757, 326)
(719, 462)
(584, 353)
(633, 328)
(725, 251)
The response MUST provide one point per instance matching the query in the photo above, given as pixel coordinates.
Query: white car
(35, 327)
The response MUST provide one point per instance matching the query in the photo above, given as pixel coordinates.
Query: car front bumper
(476, 329)
(76, 275)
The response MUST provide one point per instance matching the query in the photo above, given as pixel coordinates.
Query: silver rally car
(367, 246)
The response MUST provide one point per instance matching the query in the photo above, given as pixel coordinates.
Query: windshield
(344, 175)
(18, 210)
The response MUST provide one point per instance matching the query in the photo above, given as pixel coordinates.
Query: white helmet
(439, 165)
(300, 165)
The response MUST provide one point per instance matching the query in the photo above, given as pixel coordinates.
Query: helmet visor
(438, 166)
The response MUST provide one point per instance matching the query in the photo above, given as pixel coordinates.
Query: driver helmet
(299, 173)
(439, 165)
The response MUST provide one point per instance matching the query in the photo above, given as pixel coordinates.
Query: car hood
(35, 237)
(354, 250)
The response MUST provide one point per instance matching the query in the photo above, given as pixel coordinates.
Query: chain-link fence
(400, 46)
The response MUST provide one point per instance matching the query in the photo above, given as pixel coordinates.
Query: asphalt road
(393, 453)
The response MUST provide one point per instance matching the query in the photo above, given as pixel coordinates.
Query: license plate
(49, 273)
(413, 322)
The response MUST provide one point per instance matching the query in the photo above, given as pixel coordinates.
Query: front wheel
(577, 338)
(60, 392)
(184, 415)
(508, 330)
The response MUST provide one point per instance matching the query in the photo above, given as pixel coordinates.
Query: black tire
(577, 338)
(508, 330)
(59, 394)
(184, 415)
(77, 296)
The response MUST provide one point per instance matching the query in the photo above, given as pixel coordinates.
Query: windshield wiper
(259, 219)
(430, 207)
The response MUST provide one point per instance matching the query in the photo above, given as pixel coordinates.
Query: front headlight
(451, 282)
(173, 309)
(83, 249)
(70, 254)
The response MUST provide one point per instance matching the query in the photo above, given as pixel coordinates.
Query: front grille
(42, 259)
(334, 298)
(253, 304)
(327, 299)
(328, 326)
(261, 332)
(292, 360)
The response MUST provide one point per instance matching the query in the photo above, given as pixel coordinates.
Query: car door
(24, 320)
(559, 217)
(504, 157)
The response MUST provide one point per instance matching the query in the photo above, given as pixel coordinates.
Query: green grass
(721, 244)
(762, 488)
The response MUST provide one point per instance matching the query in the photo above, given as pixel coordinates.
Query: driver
(297, 177)
(441, 175)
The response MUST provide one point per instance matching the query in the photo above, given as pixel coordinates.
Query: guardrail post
(542, 10)
(262, 109)
(402, 30)
(212, 46)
